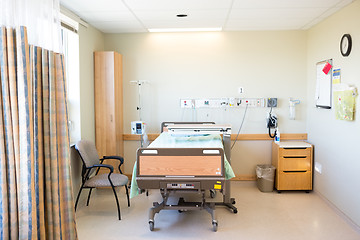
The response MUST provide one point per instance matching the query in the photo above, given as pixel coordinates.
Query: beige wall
(336, 142)
(90, 40)
(213, 65)
(267, 64)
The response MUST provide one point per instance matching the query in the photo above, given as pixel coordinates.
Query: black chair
(91, 166)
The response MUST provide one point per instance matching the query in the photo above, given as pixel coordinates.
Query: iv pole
(139, 84)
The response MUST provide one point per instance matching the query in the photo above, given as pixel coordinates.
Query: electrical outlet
(187, 103)
(272, 102)
(318, 167)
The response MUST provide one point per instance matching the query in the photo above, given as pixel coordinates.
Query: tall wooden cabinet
(108, 105)
(294, 165)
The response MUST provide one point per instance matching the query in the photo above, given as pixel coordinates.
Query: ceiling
(130, 16)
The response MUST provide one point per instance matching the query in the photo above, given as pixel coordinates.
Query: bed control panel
(180, 185)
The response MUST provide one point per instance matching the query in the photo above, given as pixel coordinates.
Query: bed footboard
(190, 169)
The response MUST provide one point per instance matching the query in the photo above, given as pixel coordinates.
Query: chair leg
(87, 203)
(117, 201)
(78, 196)
(127, 194)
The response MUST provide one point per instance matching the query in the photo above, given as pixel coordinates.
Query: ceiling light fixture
(158, 30)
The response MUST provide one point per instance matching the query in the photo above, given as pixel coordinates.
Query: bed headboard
(226, 138)
(165, 124)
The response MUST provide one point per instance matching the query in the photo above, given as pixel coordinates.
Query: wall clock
(345, 45)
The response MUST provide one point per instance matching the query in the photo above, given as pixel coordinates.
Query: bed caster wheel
(235, 211)
(151, 225)
(232, 200)
(212, 193)
(215, 226)
(180, 211)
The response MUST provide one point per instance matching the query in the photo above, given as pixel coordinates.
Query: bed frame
(208, 127)
(186, 170)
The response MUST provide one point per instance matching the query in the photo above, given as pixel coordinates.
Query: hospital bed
(186, 158)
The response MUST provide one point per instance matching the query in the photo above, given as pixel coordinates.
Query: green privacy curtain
(36, 199)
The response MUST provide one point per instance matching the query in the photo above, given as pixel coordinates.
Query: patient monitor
(137, 127)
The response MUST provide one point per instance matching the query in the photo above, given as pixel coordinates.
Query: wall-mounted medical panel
(222, 102)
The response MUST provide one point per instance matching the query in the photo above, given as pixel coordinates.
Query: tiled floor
(289, 216)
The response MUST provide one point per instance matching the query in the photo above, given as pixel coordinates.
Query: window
(70, 40)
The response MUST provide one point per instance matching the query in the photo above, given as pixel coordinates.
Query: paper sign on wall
(327, 68)
(336, 75)
(344, 101)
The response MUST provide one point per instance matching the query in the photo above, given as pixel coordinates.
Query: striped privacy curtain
(35, 186)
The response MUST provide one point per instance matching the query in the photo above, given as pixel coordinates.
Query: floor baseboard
(339, 212)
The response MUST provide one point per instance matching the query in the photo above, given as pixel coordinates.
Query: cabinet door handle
(294, 157)
(301, 171)
(294, 148)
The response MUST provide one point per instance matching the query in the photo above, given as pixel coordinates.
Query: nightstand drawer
(294, 152)
(289, 180)
(295, 163)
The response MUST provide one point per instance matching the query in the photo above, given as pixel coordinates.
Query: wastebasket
(265, 177)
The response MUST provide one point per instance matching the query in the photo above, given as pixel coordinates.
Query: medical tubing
(182, 114)
(242, 122)
(272, 136)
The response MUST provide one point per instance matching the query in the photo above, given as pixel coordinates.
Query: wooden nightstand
(294, 165)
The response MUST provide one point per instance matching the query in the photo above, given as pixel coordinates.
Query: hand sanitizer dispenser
(277, 135)
(292, 112)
